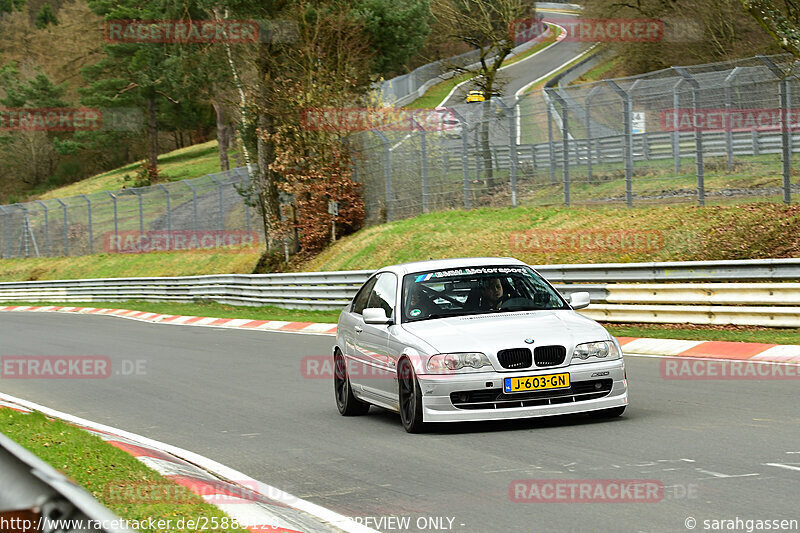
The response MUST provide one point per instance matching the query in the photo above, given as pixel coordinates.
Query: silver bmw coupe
(473, 339)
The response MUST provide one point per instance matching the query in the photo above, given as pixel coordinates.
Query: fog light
(598, 385)
(463, 397)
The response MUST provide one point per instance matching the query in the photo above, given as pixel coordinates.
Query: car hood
(489, 333)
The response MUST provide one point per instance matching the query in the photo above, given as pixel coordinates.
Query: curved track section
(721, 449)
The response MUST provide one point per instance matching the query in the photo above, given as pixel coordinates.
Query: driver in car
(492, 293)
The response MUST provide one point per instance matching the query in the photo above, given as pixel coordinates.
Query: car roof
(438, 264)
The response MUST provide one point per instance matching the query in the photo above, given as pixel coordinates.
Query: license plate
(529, 383)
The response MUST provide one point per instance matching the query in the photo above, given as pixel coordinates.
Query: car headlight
(444, 363)
(604, 350)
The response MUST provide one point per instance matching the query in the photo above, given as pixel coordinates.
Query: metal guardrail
(621, 292)
(32, 490)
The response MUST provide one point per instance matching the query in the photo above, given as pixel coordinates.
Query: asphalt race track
(520, 74)
(238, 397)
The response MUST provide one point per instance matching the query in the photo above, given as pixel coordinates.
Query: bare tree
(488, 26)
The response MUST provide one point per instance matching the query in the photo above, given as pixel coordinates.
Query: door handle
(358, 329)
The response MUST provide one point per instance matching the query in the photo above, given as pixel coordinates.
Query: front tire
(410, 396)
(346, 401)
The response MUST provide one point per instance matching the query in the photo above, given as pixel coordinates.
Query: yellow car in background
(475, 96)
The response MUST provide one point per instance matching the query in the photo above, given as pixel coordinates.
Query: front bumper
(437, 405)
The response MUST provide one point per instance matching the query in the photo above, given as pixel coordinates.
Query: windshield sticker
(414, 312)
(470, 272)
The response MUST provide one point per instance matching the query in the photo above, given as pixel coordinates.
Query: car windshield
(476, 290)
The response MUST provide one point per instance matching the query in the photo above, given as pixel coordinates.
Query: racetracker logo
(602, 30)
(676, 368)
(709, 119)
(385, 119)
(199, 31)
(167, 492)
(67, 367)
(586, 241)
(50, 119)
(586, 491)
(133, 242)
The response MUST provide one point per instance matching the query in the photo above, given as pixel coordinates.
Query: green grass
(657, 331)
(105, 471)
(686, 233)
(599, 71)
(209, 309)
(435, 94)
(191, 263)
(186, 163)
(706, 333)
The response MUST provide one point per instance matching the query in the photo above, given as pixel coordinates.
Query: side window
(360, 301)
(385, 292)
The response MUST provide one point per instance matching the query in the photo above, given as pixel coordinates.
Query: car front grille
(549, 355)
(515, 358)
(496, 399)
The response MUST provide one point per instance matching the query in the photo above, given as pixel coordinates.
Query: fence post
(698, 136)
(169, 216)
(464, 156)
(46, 228)
(387, 160)
(676, 132)
(220, 208)
(564, 141)
(588, 125)
(786, 149)
(512, 147)
(728, 106)
(643, 137)
(245, 187)
(756, 147)
(627, 146)
(89, 213)
(66, 229)
(138, 194)
(423, 167)
(5, 224)
(116, 223)
(26, 232)
(194, 202)
(550, 138)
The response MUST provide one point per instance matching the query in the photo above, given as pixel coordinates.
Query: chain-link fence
(704, 134)
(202, 213)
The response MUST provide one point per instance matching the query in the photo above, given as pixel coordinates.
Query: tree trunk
(223, 140)
(152, 127)
(267, 180)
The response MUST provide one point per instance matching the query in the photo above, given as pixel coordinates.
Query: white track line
(540, 78)
(326, 515)
(446, 98)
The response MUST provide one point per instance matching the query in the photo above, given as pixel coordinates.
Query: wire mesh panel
(702, 134)
(162, 217)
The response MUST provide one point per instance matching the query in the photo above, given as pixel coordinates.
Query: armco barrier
(34, 491)
(722, 292)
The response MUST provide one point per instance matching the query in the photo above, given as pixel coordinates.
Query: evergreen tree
(45, 17)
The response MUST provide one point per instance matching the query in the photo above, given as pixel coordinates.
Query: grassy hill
(186, 163)
(535, 235)
(575, 235)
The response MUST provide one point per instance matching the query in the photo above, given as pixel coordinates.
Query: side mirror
(376, 315)
(579, 300)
